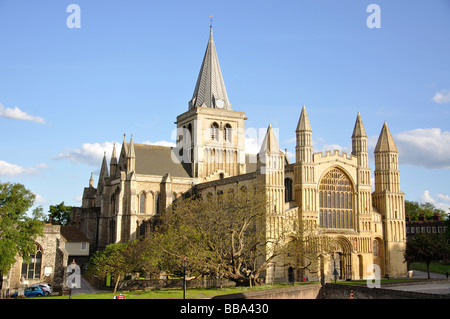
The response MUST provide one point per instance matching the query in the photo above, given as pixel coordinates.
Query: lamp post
(184, 264)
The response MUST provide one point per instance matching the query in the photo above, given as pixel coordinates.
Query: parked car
(34, 291)
(46, 288)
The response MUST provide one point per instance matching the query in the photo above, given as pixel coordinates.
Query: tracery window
(336, 200)
(32, 270)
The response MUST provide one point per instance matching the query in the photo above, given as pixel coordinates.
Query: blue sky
(67, 94)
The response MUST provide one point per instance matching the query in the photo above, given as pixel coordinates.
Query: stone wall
(156, 284)
(310, 291)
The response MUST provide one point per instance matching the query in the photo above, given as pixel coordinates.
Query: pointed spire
(113, 160)
(131, 152)
(359, 130)
(91, 180)
(385, 141)
(210, 88)
(303, 122)
(270, 143)
(103, 169)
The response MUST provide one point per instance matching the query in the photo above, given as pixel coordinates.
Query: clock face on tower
(219, 103)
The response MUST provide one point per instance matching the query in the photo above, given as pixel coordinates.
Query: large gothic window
(32, 270)
(336, 200)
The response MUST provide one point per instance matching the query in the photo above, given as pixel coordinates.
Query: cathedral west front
(329, 190)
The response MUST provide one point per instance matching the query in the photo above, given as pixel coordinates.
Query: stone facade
(330, 190)
(48, 263)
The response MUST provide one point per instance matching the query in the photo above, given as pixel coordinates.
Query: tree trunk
(117, 283)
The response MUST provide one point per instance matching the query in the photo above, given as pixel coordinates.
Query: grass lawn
(194, 293)
(440, 268)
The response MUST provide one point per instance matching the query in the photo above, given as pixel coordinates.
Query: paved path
(432, 287)
(86, 288)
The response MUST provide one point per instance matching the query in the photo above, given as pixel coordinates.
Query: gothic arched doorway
(344, 255)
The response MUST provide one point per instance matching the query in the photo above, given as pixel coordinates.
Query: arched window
(227, 133)
(375, 248)
(32, 270)
(157, 206)
(335, 196)
(215, 131)
(142, 203)
(287, 190)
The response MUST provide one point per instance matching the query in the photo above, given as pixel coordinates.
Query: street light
(184, 263)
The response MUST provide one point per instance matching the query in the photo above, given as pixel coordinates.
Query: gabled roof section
(303, 122)
(210, 88)
(359, 130)
(385, 141)
(73, 234)
(159, 161)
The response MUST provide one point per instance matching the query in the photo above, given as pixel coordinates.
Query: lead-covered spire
(210, 88)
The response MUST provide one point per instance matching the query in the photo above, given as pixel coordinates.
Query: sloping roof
(73, 234)
(385, 141)
(210, 86)
(159, 160)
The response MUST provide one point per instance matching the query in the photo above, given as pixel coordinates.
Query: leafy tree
(60, 214)
(116, 259)
(427, 248)
(221, 235)
(18, 231)
(414, 209)
(306, 246)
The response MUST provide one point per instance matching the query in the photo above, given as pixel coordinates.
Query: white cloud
(445, 198)
(10, 170)
(429, 148)
(17, 114)
(89, 153)
(427, 198)
(39, 199)
(441, 97)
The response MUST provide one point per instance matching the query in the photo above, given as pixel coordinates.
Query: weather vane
(210, 16)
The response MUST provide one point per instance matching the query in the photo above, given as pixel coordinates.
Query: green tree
(414, 209)
(60, 214)
(18, 231)
(221, 235)
(118, 260)
(427, 248)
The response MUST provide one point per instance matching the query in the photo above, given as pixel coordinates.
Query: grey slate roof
(157, 160)
(210, 86)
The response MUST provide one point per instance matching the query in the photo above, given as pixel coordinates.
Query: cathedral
(330, 190)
